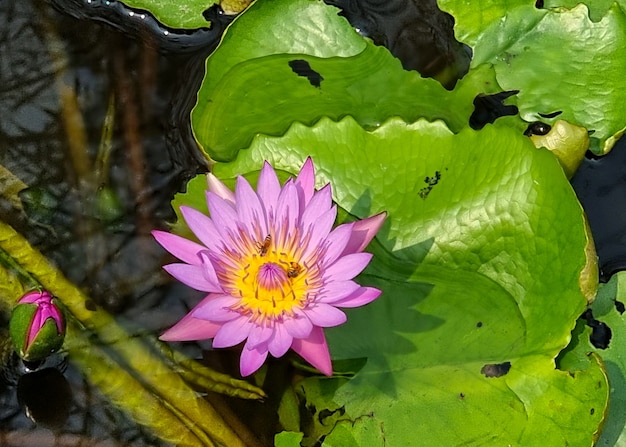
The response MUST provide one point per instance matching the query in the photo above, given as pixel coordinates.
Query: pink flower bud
(37, 326)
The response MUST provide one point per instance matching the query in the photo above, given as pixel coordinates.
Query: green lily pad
(479, 262)
(559, 60)
(264, 76)
(184, 15)
(608, 309)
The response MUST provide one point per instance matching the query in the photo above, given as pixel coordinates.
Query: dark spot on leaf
(488, 108)
(593, 410)
(479, 324)
(302, 68)
(461, 396)
(537, 128)
(495, 369)
(539, 4)
(430, 183)
(619, 306)
(600, 333)
(550, 115)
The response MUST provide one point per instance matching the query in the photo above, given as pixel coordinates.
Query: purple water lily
(274, 268)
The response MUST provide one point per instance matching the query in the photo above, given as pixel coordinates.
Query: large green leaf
(479, 263)
(559, 60)
(253, 83)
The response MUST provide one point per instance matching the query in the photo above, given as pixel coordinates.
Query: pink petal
(287, 213)
(336, 242)
(36, 296)
(251, 360)
(207, 268)
(319, 204)
(306, 181)
(320, 230)
(184, 249)
(314, 350)
(363, 296)
(298, 326)
(217, 309)
(325, 315)
(193, 276)
(280, 342)
(203, 227)
(363, 232)
(217, 187)
(189, 329)
(347, 267)
(259, 335)
(233, 332)
(336, 291)
(223, 215)
(250, 211)
(268, 188)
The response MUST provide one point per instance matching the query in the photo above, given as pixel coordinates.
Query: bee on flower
(275, 270)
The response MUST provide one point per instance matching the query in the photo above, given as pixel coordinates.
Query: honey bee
(265, 245)
(294, 270)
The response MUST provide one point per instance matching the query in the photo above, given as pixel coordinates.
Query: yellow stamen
(270, 284)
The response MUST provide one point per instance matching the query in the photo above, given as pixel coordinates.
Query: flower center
(271, 285)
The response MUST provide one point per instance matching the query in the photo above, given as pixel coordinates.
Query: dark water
(89, 207)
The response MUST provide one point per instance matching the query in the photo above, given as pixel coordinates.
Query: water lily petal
(193, 276)
(202, 226)
(314, 350)
(218, 308)
(325, 315)
(250, 211)
(184, 249)
(347, 267)
(216, 186)
(336, 242)
(306, 181)
(313, 236)
(223, 215)
(259, 335)
(251, 360)
(287, 213)
(280, 342)
(207, 267)
(191, 329)
(232, 332)
(336, 291)
(299, 326)
(362, 297)
(268, 189)
(319, 204)
(363, 232)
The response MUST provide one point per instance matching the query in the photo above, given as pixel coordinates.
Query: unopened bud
(37, 326)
